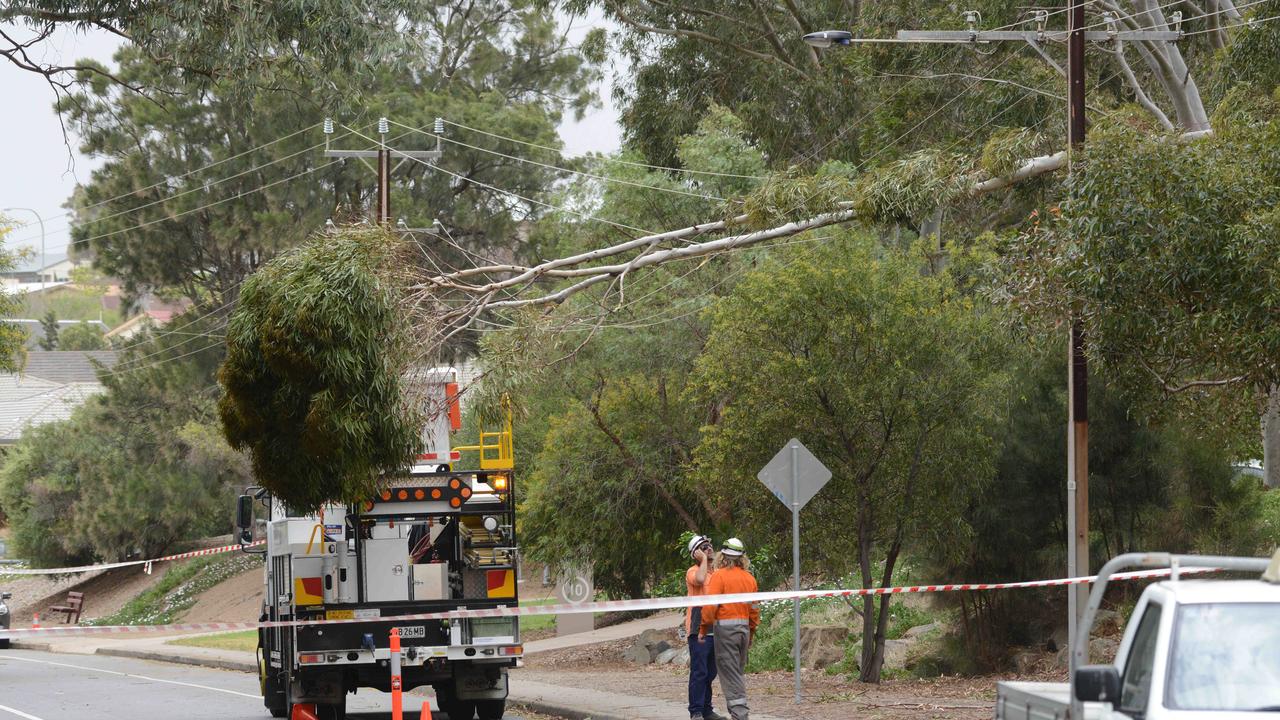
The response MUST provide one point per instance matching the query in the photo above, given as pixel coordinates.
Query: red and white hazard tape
(592, 607)
(126, 563)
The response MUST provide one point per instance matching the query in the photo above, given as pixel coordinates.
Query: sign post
(575, 587)
(794, 476)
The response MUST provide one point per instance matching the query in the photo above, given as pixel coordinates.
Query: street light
(827, 38)
(41, 221)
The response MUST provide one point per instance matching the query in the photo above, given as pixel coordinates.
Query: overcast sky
(40, 171)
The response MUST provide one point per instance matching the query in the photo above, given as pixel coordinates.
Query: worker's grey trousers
(731, 664)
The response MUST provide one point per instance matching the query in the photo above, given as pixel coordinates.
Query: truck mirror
(1097, 683)
(5, 595)
(244, 517)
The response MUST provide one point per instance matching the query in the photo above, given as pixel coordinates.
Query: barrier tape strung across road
(126, 563)
(592, 607)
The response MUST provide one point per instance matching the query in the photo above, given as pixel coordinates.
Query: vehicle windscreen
(1225, 656)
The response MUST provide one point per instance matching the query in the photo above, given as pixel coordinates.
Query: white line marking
(19, 713)
(132, 675)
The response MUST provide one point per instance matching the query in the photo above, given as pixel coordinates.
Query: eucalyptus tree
(1168, 252)
(872, 102)
(207, 42)
(201, 187)
(890, 376)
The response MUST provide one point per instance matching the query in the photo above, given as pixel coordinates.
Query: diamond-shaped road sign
(810, 473)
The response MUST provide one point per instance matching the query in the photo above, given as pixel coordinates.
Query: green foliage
(865, 332)
(1153, 486)
(885, 373)
(82, 336)
(49, 328)
(133, 470)
(912, 188)
(156, 220)
(215, 41)
(1009, 148)
(1250, 59)
(313, 379)
(11, 336)
(1169, 252)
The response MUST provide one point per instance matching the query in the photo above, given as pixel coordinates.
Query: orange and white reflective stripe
(126, 563)
(666, 603)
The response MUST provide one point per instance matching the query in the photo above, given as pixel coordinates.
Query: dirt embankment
(237, 599)
(104, 592)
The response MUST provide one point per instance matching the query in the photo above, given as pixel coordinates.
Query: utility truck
(434, 538)
(1194, 649)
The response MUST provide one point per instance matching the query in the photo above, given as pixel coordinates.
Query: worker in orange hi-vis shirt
(702, 655)
(734, 624)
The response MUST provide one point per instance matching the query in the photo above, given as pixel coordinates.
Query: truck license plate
(413, 631)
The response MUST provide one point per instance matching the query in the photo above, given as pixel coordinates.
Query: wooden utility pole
(1077, 364)
(382, 210)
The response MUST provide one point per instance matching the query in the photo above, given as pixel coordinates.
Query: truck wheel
(4, 644)
(490, 709)
(453, 707)
(272, 694)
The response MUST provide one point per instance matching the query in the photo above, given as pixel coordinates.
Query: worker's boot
(713, 715)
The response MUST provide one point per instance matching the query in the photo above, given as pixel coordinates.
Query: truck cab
(1194, 648)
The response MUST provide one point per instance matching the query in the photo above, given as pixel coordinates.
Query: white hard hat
(697, 540)
(733, 547)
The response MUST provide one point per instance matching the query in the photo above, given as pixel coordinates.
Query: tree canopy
(313, 380)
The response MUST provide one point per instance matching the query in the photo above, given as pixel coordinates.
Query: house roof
(26, 402)
(67, 366)
(31, 263)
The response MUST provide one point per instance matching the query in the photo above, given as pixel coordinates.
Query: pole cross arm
(1031, 36)
(431, 155)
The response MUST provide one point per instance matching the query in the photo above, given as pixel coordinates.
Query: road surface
(45, 686)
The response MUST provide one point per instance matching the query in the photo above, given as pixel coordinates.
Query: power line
(205, 186)
(618, 161)
(509, 193)
(703, 196)
(187, 174)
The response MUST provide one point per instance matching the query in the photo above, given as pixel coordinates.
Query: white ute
(1193, 650)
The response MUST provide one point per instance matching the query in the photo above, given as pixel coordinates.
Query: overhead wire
(509, 193)
(604, 178)
(237, 196)
(617, 161)
(204, 187)
(187, 174)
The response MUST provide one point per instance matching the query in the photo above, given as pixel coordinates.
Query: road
(45, 686)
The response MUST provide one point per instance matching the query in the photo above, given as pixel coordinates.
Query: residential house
(48, 388)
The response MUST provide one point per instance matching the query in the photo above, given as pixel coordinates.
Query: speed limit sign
(575, 586)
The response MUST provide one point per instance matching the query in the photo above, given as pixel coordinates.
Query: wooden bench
(73, 605)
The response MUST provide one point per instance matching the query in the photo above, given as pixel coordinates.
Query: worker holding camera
(702, 655)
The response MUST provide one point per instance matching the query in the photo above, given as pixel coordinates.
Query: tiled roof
(28, 401)
(67, 366)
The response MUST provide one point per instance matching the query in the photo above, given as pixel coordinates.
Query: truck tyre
(490, 709)
(272, 693)
(4, 644)
(453, 707)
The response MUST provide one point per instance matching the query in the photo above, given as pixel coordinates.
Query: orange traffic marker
(426, 710)
(35, 621)
(303, 711)
(397, 701)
